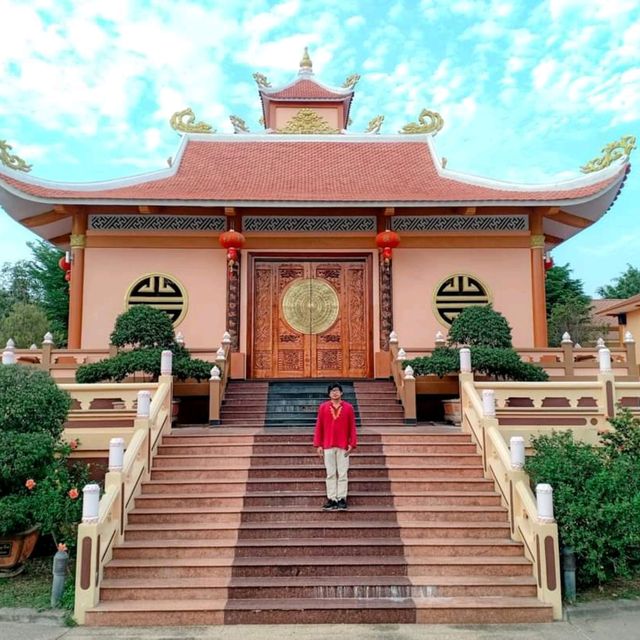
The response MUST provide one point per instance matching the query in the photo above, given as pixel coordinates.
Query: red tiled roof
(311, 171)
(305, 89)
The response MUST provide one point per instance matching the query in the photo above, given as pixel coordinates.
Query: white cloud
(543, 73)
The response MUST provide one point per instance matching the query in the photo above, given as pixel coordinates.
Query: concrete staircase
(229, 530)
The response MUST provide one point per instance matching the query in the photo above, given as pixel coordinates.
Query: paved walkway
(606, 620)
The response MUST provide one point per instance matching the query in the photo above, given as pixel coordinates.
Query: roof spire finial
(306, 66)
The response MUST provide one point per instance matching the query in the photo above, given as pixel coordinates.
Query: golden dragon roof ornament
(307, 121)
(261, 80)
(185, 122)
(12, 160)
(374, 125)
(239, 125)
(428, 122)
(610, 153)
(351, 81)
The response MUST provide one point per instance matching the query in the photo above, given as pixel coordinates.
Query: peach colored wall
(110, 272)
(417, 273)
(284, 114)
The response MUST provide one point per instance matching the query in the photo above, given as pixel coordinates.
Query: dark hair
(334, 385)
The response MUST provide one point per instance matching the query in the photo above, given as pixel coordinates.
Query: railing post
(630, 346)
(215, 396)
(9, 354)
(516, 449)
(47, 348)
(544, 500)
(567, 354)
(608, 382)
(410, 414)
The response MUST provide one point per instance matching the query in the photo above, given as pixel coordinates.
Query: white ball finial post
(144, 404)
(215, 373)
(11, 345)
(628, 337)
(408, 373)
(48, 338)
(516, 448)
(465, 360)
(489, 403)
(226, 338)
(166, 363)
(220, 357)
(566, 337)
(180, 338)
(8, 357)
(440, 340)
(33, 347)
(90, 503)
(393, 338)
(402, 355)
(116, 454)
(544, 499)
(604, 359)
(600, 343)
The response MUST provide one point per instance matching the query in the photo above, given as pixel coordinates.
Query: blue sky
(529, 91)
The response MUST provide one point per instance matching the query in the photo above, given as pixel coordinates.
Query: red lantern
(231, 240)
(64, 264)
(387, 239)
(548, 262)
(67, 275)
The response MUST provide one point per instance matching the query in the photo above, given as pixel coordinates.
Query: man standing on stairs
(334, 439)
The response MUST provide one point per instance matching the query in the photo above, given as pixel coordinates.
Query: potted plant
(488, 335)
(39, 489)
(140, 335)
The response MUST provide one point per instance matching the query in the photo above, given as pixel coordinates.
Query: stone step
(310, 457)
(327, 530)
(195, 488)
(459, 610)
(298, 473)
(314, 566)
(277, 547)
(364, 587)
(292, 449)
(402, 437)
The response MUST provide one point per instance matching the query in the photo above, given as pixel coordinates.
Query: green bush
(37, 483)
(596, 494)
(148, 332)
(480, 326)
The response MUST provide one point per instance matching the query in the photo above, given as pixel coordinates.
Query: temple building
(309, 242)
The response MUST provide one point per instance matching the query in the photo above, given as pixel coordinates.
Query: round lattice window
(457, 292)
(161, 292)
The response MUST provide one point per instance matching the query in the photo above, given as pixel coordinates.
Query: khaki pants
(336, 462)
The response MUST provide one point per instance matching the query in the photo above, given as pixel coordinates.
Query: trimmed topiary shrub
(596, 493)
(145, 332)
(480, 326)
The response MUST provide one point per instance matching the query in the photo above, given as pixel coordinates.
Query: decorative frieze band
(99, 222)
(460, 223)
(317, 224)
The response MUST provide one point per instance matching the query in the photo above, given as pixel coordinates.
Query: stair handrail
(99, 532)
(219, 379)
(538, 535)
(404, 381)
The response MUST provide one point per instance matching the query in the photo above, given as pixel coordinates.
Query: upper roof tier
(316, 170)
(279, 103)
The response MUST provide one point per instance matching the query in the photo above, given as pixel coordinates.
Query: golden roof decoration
(239, 125)
(351, 81)
(428, 122)
(374, 125)
(306, 63)
(610, 153)
(185, 122)
(261, 80)
(307, 121)
(12, 160)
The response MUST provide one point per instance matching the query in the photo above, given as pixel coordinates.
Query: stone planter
(15, 551)
(453, 411)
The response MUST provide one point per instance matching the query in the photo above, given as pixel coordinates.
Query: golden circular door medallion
(310, 305)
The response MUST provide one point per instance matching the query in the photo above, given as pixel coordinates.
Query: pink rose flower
(73, 493)
(30, 484)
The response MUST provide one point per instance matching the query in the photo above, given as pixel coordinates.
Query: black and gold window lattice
(161, 292)
(457, 292)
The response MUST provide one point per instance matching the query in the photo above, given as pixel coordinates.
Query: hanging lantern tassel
(67, 275)
(548, 262)
(386, 254)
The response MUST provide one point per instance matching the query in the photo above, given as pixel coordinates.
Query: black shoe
(341, 504)
(329, 505)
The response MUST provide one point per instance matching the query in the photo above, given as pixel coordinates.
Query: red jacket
(335, 428)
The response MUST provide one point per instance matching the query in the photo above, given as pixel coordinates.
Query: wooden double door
(311, 318)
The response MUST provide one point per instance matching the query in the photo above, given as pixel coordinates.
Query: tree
(561, 287)
(624, 286)
(574, 317)
(26, 324)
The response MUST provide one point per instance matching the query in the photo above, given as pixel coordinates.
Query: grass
(32, 589)
(617, 589)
